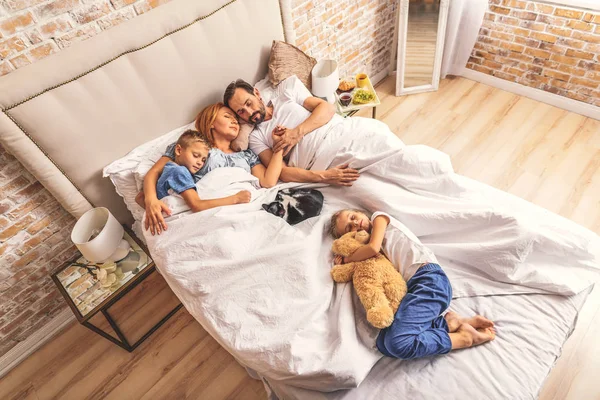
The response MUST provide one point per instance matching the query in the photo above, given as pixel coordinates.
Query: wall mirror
(421, 31)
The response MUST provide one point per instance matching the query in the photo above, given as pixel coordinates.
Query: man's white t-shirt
(288, 111)
(403, 248)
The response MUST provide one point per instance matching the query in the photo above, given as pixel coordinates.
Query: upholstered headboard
(71, 114)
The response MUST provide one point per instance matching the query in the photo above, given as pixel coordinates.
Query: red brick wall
(359, 34)
(33, 29)
(34, 241)
(548, 47)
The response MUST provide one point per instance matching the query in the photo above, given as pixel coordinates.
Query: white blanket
(262, 288)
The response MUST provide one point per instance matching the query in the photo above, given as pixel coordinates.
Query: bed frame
(68, 116)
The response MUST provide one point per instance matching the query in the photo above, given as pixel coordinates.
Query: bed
(269, 299)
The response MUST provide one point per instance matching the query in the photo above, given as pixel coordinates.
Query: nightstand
(89, 298)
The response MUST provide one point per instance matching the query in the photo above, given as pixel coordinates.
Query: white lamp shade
(106, 246)
(325, 79)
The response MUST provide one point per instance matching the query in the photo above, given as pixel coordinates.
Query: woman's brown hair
(206, 119)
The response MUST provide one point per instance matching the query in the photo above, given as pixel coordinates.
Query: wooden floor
(543, 154)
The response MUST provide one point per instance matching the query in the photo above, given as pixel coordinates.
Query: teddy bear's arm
(343, 273)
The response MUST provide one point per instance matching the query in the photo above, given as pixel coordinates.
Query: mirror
(421, 29)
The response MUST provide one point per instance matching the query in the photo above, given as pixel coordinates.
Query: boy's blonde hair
(334, 218)
(191, 136)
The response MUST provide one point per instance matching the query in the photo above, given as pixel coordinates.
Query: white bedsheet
(262, 288)
(532, 329)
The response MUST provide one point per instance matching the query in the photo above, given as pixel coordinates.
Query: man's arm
(321, 113)
(340, 175)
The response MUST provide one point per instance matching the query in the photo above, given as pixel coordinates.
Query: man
(296, 117)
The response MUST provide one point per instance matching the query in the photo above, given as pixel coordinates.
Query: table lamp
(325, 79)
(99, 236)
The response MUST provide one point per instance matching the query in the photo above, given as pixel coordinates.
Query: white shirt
(289, 111)
(403, 248)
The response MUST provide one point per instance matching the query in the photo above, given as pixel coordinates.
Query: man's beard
(261, 115)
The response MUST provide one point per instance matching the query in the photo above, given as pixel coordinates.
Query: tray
(352, 107)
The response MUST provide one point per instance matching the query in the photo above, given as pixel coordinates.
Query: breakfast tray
(356, 107)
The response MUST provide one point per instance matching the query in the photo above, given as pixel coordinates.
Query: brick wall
(544, 46)
(357, 33)
(33, 29)
(34, 228)
(34, 240)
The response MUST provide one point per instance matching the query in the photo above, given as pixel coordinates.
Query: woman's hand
(341, 175)
(242, 197)
(154, 218)
(338, 260)
(288, 139)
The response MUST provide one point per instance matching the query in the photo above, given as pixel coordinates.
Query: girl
(418, 329)
(220, 126)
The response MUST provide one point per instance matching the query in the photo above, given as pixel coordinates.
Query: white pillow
(122, 171)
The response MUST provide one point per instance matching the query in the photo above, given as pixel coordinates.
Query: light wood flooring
(541, 153)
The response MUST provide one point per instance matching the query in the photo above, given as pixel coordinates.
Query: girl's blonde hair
(206, 119)
(334, 219)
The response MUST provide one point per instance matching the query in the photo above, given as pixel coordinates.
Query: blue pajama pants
(418, 329)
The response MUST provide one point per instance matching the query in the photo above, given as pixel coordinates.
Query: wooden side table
(87, 296)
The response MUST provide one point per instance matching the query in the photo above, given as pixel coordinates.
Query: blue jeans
(418, 329)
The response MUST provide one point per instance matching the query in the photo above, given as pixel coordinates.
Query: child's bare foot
(454, 321)
(467, 336)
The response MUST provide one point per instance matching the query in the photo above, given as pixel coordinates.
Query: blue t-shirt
(217, 159)
(176, 177)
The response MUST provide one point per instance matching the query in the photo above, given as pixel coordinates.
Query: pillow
(122, 171)
(287, 60)
(241, 142)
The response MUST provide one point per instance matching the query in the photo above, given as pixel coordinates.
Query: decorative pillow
(287, 60)
(241, 142)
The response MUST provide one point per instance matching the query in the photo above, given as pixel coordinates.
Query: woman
(220, 125)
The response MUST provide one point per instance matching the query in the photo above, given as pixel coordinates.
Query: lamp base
(132, 262)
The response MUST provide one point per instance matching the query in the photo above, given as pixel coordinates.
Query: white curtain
(464, 21)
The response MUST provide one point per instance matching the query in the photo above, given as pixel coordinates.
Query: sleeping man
(298, 118)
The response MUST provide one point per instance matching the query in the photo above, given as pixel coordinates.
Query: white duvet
(262, 288)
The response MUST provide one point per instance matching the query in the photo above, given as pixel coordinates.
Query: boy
(418, 329)
(191, 152)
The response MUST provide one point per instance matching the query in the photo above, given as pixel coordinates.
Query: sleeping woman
(220, 126)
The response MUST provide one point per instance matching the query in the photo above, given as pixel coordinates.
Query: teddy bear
(379, 286)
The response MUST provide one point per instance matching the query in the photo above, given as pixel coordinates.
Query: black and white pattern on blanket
(296, 205)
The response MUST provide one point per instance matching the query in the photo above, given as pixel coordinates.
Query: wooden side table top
(84, 293)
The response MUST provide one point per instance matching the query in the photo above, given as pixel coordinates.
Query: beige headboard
(71, 114)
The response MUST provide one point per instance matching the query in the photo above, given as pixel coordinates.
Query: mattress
(531, 332)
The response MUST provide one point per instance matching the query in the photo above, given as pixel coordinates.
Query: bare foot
(454, 321)
(467, 336)
(478, 322)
